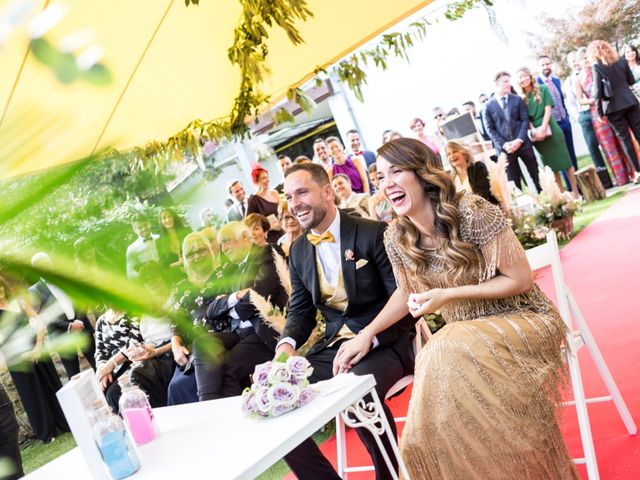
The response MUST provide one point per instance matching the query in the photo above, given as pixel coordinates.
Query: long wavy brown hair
(601, 51)
(411, 154)
(535, 88)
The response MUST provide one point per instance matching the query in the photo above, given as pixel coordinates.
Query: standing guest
(482, 99)
(389, 135)
(379, 207)
(239, 204)
(507, 121)
(546, 133)
(35, 378)
(284, 162)
(582, 111)
(172, 233)
(347, 198)
(616, 158)
(53, 304)
(355, 143)
(144, 249)
(559, 109)
(302, 159)
(207, 218)
(468, 175)
(622, 109)
(259, 228)
(292, 229)
(321, 154)
(470, 107)
(351, 167)
(193, 296)
(633, 59)
(417, 127)
(265, 202)
(246, 340)
(9, 436)
(340, 268)
(486, 386)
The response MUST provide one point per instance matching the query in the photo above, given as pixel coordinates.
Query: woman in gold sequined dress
(486, 385)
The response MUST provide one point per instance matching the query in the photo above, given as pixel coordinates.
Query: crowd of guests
(322, 231)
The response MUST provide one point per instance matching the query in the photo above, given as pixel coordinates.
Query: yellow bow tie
(325, 237)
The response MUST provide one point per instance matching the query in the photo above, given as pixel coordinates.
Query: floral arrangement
(529, 232)
(278, 387)
(554, 204)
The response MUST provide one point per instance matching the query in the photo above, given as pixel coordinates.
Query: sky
(456, 62)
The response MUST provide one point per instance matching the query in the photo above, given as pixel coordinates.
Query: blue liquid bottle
(113, 442)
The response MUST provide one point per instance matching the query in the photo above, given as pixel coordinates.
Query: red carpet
(600, 267)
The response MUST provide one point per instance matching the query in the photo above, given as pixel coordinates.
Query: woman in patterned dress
(486, 385)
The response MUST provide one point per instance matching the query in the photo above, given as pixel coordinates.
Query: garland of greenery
(249, 52)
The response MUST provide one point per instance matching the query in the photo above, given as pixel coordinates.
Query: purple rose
(284, 394)
(299, 367)
(306, 394)
(263, 403)
(249, 406)
(261, 374)
(280, 410)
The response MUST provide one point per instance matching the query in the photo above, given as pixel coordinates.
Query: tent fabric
(169, 66)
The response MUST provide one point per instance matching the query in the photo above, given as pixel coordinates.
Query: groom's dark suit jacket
(258, 273)
(368, 285)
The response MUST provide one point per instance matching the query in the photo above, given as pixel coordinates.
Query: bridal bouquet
(278, 387)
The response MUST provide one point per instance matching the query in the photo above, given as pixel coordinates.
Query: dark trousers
(229, 373)
(182, 387)
(152, 376)
(590, 138)
(70, 362)
(37, 385)
(565, 126)
(306, 460)
(623, 121)
(9, 447)
(529, 159)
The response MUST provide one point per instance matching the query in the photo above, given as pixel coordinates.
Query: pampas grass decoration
(549, 187)
(283, 272)
(271, 315)
(498, 181)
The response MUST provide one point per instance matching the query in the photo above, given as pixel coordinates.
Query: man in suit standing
(340, 268)
(238, 210)
(246, 338)
(507, 121)
(559, 110)
(355, 143)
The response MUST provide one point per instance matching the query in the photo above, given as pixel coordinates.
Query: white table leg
(370, 415)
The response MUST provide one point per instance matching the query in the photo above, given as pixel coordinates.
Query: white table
(214, 438)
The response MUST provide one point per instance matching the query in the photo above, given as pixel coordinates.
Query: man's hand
(351, 352)
(241, 293)
(76, 326)
(287, 348)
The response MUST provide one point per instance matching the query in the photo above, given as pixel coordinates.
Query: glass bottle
(136, 411)
(113, 441)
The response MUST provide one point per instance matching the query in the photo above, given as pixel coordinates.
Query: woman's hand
(180, 353)
(428, 302)
(104, 374)
(145, 352)
(351, 352)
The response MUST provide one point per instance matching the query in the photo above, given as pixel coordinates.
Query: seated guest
(347, 198)
(302, 159)
(292, 229)
(379, 207)
(259, 227)
(469, 175)
(389, 135)
(192, 296)
(115, 333)
(352, 167)
(207, 218)
(246, 340)
(153, 365)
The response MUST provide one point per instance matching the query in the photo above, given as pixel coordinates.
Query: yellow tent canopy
(169, 66)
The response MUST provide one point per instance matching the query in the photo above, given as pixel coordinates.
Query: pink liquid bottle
(136, 411)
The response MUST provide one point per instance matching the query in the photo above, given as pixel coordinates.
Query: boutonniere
(348, 255)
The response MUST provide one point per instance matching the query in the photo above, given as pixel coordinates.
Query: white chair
(423, 334)
(549, 254)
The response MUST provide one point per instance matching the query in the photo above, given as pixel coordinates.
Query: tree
(616, 21)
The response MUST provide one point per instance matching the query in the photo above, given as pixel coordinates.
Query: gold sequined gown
(486, 385)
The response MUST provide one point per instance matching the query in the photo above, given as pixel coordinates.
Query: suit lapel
(310, 270)
(347, 244)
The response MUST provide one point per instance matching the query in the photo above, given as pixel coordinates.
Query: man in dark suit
(340, 268)
(246, 338)
(507, 121)
(559, 111)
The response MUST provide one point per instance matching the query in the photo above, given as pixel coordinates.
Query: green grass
(36, 453)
